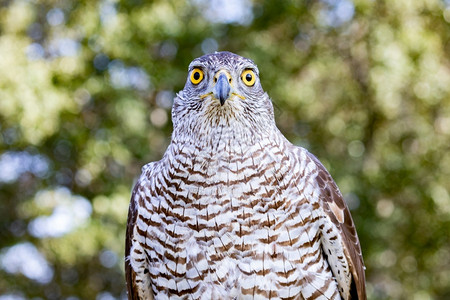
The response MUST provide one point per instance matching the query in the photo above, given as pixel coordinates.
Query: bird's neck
(224, 134)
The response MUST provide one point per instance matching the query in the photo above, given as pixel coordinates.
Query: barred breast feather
(235, 211)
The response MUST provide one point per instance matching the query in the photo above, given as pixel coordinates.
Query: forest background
(86, 89)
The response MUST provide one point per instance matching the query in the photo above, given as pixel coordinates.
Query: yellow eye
(196, 76)
(248, 77)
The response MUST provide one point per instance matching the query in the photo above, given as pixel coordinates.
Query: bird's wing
(133, 289)
(334, 206)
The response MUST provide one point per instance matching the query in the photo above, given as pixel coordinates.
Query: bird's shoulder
(137, 196)
(139, 190)
(337, 213)
(330, 197)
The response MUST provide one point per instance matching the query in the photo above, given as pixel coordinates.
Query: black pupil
(248, 77)
(196, 75)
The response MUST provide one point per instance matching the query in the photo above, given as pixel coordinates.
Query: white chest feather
(235, 227)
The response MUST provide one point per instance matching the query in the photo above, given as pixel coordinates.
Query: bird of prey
(233, 210)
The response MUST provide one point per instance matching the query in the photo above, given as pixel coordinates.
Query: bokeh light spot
(26, 259)
(55, 17)
(158, 117)
(385, 208)
(356, 148)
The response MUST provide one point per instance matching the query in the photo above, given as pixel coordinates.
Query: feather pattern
(235, 211)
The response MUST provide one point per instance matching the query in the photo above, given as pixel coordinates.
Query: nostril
(215, 79)
(229, 80)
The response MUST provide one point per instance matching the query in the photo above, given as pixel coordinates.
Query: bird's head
(222, 89)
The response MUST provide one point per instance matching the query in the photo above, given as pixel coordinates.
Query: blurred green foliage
(85, 95)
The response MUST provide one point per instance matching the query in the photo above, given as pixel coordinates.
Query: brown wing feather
(334, 205)
(130, 275)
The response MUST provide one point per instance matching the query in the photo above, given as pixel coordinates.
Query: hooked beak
(222, 88)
